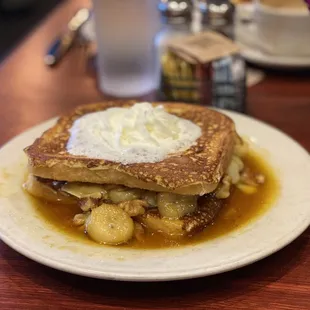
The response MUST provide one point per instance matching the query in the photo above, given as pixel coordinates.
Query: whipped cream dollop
(138, 134)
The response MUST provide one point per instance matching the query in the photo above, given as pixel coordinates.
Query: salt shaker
(176, 19)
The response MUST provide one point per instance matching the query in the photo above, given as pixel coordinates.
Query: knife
(61, 45)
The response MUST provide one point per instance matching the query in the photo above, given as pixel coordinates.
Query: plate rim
(137, 277)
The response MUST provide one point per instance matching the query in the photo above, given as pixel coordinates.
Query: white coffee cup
(282, 30)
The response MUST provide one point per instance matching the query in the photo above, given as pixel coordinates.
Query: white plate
(23, 230)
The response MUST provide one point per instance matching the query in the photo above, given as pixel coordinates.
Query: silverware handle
(59, 48)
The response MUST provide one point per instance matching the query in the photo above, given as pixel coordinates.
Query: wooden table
(31, 93)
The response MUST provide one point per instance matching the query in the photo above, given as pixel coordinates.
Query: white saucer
(246, 36)
(26, 232)
(255, 56)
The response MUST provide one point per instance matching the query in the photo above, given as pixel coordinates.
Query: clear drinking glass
(127, 60)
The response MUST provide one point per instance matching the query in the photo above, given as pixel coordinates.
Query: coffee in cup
(285, 4)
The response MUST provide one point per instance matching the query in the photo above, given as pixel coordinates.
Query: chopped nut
(133, 207)
(247, 189)
(248, 178)
(139, 232)
(88, 203)
(260, 178)
(80, 219)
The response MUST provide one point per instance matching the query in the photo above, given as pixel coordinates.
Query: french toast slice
(196, 171)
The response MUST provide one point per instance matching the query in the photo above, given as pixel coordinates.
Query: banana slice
(168, 227)
(234, 169)
(118, 195)
(175, 206)
(150, 198)
(109, 224)
(81, 190)
(223, 190)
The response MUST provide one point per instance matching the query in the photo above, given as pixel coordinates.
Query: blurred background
(18, 17)
(271, 36)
